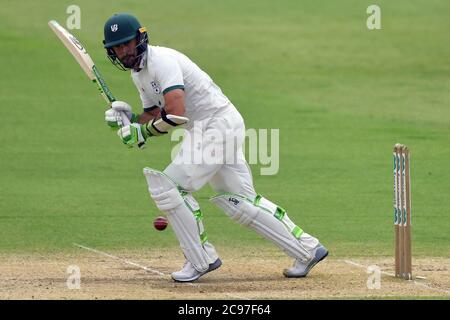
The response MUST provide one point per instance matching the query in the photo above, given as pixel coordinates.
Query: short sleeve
(169, 74)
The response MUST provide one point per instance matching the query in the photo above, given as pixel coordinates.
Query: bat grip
(125, 119)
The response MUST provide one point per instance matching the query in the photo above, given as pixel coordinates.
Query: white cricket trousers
(211, 152)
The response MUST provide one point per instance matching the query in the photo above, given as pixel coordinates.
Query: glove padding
(133, 134)
(113, 115)
(165, 124)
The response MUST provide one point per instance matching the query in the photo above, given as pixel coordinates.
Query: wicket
(402, 212)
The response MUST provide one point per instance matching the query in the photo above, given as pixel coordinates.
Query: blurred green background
(340, 94)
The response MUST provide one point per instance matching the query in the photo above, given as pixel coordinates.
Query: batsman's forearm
(146, 117)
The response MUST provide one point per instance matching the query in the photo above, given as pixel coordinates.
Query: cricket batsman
(175, 92)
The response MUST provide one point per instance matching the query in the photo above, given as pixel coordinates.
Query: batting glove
(113, 117)
(133, 134)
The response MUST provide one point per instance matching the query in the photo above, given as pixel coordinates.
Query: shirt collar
(143, 60)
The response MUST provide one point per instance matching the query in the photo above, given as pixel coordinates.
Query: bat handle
(125, 119)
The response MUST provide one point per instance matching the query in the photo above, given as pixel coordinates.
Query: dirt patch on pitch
(245, 274)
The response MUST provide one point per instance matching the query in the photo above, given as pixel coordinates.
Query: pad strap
(268, 219)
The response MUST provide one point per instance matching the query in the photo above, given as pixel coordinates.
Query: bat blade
(79, 52)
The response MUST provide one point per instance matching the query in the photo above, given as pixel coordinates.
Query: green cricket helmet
(121, 28)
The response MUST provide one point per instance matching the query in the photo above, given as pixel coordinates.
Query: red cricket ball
(160, 223)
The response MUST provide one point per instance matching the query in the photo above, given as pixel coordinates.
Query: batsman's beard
(129, 61)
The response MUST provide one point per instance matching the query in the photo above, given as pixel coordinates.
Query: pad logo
(234, 200)
(114, 27)
(156, 87)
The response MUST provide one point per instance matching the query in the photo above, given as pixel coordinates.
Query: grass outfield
(340, 94)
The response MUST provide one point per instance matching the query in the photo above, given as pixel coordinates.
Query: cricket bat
(85, 61)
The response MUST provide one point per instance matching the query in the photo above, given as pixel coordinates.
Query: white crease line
(362, 266)
(117, 258)
(393, 275)
(140, 266)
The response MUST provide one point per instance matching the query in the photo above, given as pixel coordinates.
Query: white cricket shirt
(166, 69)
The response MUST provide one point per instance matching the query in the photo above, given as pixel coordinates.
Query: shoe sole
(307, 269)
(213, 266)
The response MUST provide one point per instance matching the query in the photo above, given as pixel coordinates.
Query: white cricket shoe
(188, 273)
(300, 269)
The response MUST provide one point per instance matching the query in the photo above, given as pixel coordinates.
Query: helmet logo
(114, 27)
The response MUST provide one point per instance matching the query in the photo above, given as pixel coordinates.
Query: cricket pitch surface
(245, 274)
